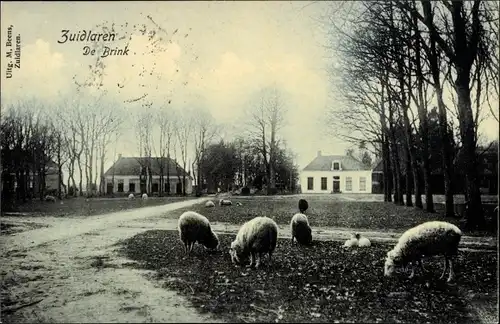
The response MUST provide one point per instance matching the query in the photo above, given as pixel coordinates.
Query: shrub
(272, 191)
(245, 191)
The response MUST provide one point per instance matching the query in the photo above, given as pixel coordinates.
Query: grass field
(82, 207)
(322, 283)
(324, 212)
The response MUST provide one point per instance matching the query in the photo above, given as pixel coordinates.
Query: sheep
(131, 196)
(209, 204)
(303, 205)
(50, 198)
(429, 239)
(362, 241)
(194, 227)
(225, 202)
(301, 231)
(255, 238)
(238, 203)
(144, 196)
(351, 242)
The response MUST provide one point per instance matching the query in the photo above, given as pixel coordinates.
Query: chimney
(319, 153)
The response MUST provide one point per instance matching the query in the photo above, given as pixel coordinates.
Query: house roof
(379, 166)
(131, 166)
(324, 163)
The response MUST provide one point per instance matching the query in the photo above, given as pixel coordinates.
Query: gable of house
(324, 163)
(129, 166)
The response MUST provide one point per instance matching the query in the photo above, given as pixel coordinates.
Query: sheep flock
(258, 237)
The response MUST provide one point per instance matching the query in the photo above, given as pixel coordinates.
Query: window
(348, 183)
(120, 185)
(323, 183)
(131, 187)
(335, 166)
(310, 183)
(362, 184)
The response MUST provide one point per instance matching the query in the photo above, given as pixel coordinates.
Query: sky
(223, 51)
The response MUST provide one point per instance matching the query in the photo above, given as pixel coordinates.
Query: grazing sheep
(352, 242)
(50, 198)
(238, 203)
(225, 202)
(131, 196)
(301, 231)
(429, 239)
(255, 238)
(303, 205)
(194, 227)
(144, 196)
(209, 204)
(363, 241)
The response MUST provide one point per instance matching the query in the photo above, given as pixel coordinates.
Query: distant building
(32, 180)
(336, 174)
(130, 175)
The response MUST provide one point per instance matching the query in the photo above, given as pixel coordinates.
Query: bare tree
(144, 126)
(184, 129)
(166, 119)
(267, 118)
(460, 42)
(204, 131)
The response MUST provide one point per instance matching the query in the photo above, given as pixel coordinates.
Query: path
(71, 274)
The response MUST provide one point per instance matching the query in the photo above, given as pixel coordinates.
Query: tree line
(397, 62)
(257, 157)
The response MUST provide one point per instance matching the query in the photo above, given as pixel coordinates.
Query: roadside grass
(329, 213)
(81, 207)
(322, 283)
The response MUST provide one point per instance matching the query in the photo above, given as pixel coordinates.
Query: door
(336, 184)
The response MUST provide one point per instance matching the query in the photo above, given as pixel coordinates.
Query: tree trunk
(408, 178)
(474, 211)
(80, 183)
(398, 190)
(446, 154)
(162, 179)
(433, 57)
(102, 182)
(388, 178)
(422, 115)
(168, 174)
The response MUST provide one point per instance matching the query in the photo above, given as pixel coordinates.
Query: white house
(335, 174)
(124, 175)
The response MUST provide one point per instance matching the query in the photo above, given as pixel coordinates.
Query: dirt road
(69, 273)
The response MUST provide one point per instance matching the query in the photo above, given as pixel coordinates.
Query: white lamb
(352, 242)
(301, 230)
(363, 241)
(144, 196)
(225, 202)
(255, 238)
(209, 204)
(427, 239)
(194, 227)
(131, 196)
